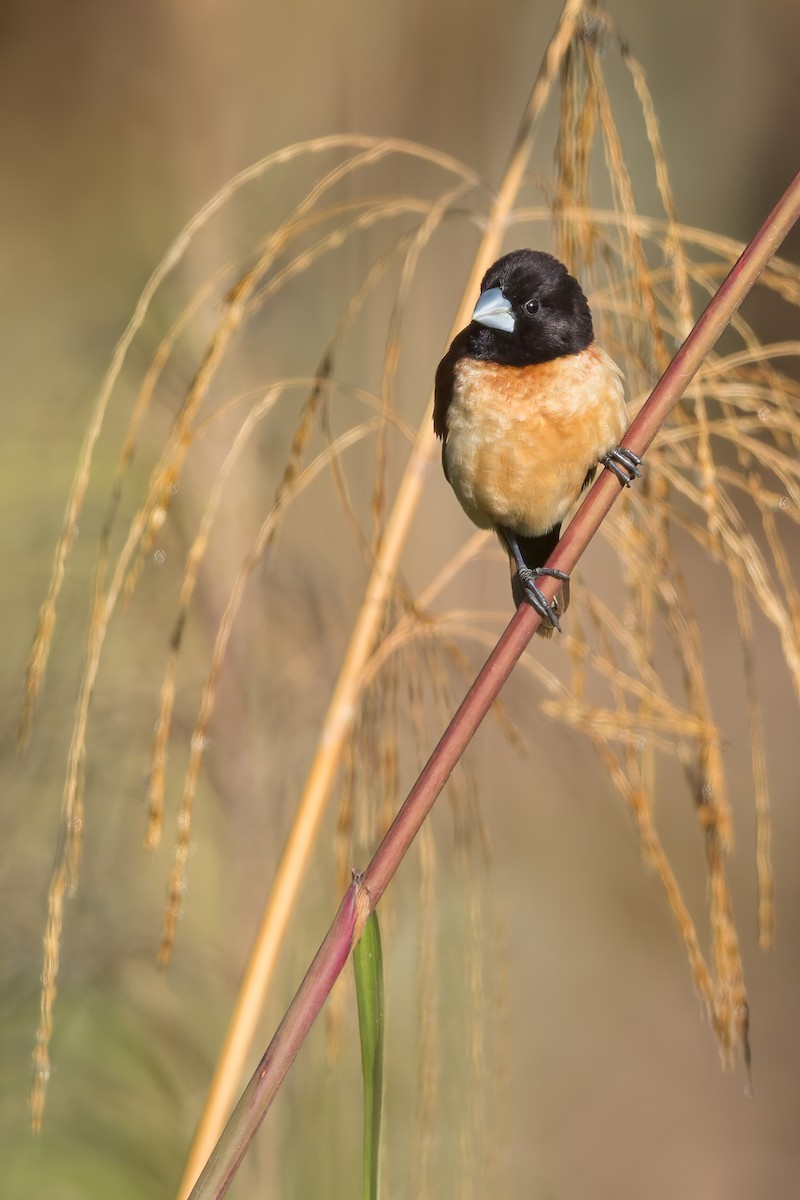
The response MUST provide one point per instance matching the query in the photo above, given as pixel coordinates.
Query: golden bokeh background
(118, 121)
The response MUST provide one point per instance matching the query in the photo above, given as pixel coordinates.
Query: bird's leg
(528, 576)
(624, 464)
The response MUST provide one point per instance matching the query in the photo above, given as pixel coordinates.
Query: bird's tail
(535, 553)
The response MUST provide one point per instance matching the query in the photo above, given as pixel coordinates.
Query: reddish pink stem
(365, 893)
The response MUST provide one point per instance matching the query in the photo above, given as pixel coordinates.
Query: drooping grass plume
(147, 522)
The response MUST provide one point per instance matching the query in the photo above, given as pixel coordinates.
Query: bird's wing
(443, 388)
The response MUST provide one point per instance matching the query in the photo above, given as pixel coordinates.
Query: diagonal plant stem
(367, 889)
(344, 702)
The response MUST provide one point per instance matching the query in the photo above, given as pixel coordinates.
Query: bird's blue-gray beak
(494, 309)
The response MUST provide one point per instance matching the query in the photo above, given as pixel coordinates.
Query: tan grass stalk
(338, 720)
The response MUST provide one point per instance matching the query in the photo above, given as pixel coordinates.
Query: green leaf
(368, 967)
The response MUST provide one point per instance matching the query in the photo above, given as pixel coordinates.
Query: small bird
(527, 406)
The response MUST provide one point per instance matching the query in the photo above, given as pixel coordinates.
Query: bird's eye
(531, 307)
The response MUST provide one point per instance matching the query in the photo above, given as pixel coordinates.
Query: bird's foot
(624, 464)
(536, 598)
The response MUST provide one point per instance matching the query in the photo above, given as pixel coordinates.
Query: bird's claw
(535, 597)
(624, 464)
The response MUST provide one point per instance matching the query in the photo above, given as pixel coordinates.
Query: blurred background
(117, 123)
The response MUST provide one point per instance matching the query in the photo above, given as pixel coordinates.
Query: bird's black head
(530, 310)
